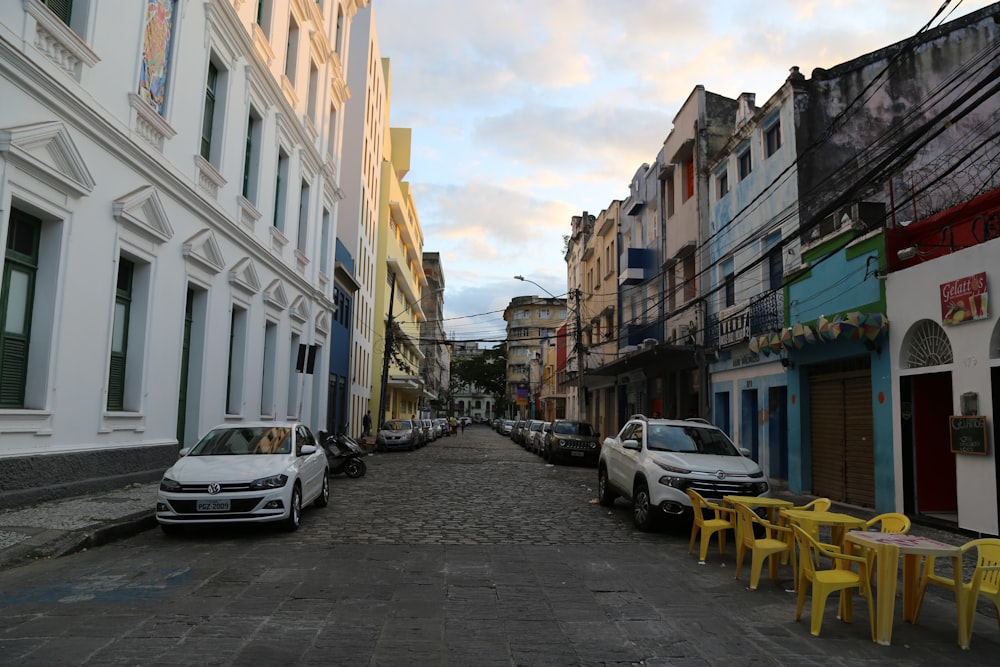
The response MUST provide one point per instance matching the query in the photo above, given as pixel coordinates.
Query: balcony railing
(764, 313)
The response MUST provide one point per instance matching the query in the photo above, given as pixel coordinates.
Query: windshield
(536, 426)
(573, 428)
(665, 438)
(397, 425)
(244, 440)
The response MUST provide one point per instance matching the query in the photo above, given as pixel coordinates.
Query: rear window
(398, 425)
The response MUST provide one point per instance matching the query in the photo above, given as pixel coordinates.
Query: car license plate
(213, 506)
(577, 453)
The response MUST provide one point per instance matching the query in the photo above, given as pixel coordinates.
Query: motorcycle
(344, 455)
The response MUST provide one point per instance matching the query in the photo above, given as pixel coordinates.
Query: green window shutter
(116, 382)
(13, 370)
(61, 8)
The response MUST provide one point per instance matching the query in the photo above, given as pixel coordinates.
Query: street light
(580, 396)
(526, 280)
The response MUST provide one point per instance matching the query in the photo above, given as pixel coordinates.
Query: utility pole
(581, 399)
(390, 326)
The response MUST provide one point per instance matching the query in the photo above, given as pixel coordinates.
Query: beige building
(532, 323)
(591, 261)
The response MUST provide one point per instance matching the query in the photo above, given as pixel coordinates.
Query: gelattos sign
(965, 300)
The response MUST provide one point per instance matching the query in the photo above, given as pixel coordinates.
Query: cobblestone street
(470, 551)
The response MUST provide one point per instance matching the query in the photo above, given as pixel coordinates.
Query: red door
(935, 463)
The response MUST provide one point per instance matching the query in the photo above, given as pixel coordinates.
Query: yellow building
(398, 389)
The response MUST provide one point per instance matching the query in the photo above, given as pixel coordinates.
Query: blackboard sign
(968, 435)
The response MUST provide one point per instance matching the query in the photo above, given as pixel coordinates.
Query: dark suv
(572, 441)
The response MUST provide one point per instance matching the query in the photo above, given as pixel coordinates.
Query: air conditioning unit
(649, 343)
(682, 331)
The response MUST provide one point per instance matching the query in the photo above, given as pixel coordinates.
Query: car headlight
(674, 469)
(272, 482)
(167, 484)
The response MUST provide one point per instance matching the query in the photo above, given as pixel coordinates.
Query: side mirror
(184, 452)
(306, 450)
(745, 452)
(632, 444)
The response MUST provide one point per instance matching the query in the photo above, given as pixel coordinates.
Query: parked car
(652, 462)
(255, 472)
(537, 445)
(528, 434)
(515, 430)
(572, 440)
(398, 434)
(506, 427)
(431, 430)
(443, 426)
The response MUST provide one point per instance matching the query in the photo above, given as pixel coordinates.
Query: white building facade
(168, 195)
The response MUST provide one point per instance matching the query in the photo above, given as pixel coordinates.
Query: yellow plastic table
(772, 505)
(888, 547)
(837, 522)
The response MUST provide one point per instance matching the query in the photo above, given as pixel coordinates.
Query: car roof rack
(639, 416)
(699, 420)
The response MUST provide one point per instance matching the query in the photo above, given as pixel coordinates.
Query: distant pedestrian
(463, 426)
(366, 425)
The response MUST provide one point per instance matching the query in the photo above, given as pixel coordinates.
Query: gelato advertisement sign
(964, 300)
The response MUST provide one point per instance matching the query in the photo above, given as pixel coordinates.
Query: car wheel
(324, 495)
(605, 495)
(295, 511)
(355, 468)
(642, 509)
(171, 529)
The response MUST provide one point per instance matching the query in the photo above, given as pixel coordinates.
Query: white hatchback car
(652, 462)
(263, 471)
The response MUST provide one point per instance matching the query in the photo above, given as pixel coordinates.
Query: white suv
(653, 462)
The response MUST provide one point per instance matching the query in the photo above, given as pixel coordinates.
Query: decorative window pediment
(243, 276)
(47, 151)
(143, 212)
(298, 309)
(203, 250)
(323, 322)
(275, 295)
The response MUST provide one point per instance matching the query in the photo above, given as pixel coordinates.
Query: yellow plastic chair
(890, 522)
(777, 540)
(815, 505)
(723, 519)
(985, 581)
(823, 582)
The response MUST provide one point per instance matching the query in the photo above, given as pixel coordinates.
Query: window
(292, 410)
(156, 53)
(209, 114)
(268, 374)
(746, 166)
(313, 110)
(772, 139)
(16, 303)
(340, 30)
(119, 335)
(729, 284)
(688, 178)
(722, 180)
(237, 355)
(291, 50)
(690, 288)
(251, 156)
(303, 231)
(280, 190)
(775, 270)
(331, 138)
(324, 251)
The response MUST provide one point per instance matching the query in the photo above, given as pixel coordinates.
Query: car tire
(355, 468)
(295, 510)
(605, 496)
(171, 529)
(323, 499)
(642, 507)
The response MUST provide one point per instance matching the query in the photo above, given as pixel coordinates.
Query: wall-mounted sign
(965, 300)
(968, 435)
(734, 330)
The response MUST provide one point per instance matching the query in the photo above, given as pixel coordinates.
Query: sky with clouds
(527, 112)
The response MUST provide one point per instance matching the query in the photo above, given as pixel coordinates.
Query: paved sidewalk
(58, 527)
